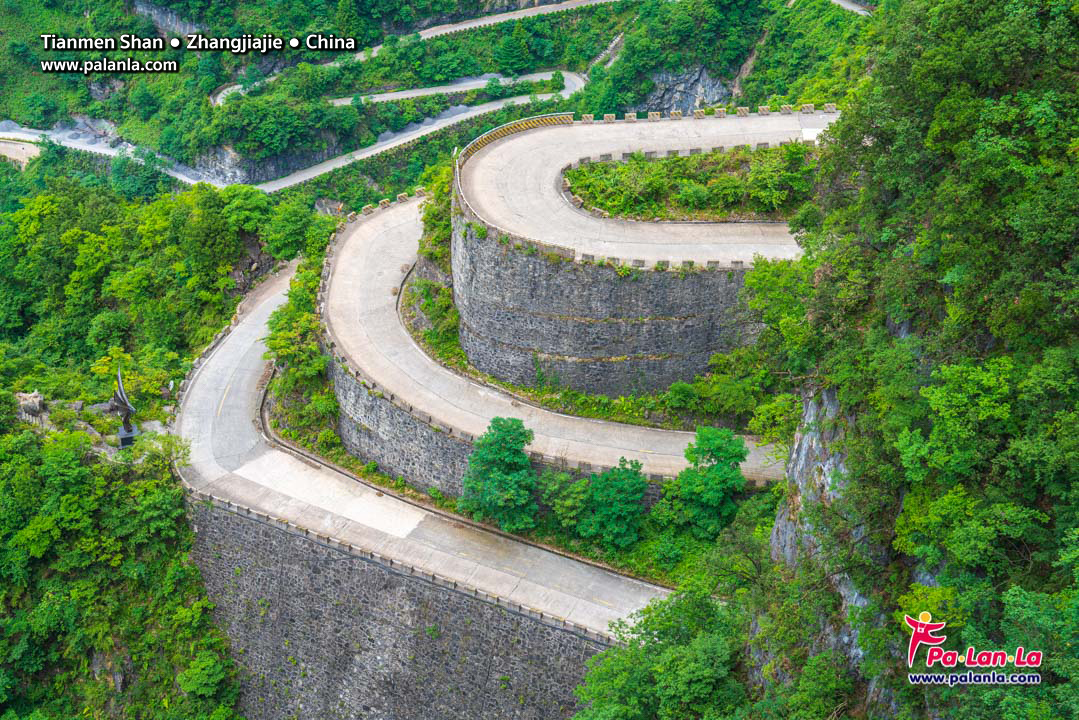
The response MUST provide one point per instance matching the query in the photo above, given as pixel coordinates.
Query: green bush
(768, 182)
(823, 688)
(566, 497)
(499, 483)
(702, 497)
(615, 505)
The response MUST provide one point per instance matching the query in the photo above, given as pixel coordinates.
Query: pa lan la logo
(923, 632)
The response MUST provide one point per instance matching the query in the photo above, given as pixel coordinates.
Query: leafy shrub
(693, 195)
(615, 505)
(499, 483)
(203, 675)
(822, 688)
(702, 497)
(566, 497)
(669, 551)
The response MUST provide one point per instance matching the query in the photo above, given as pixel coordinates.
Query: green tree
(823, 689)
(512, 54)
(246, 208)
(702, 497)
(615, 505)
(500, 483)
(566, 497)
(144, 101)
(675, 661)
(347, 20)
(285, 232)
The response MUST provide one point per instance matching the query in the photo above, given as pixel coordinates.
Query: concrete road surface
(515, 184)
(230, 459)
(574, 82)
(446, 119)
(362, 315)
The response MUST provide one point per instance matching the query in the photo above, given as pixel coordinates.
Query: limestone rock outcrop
(686, 91)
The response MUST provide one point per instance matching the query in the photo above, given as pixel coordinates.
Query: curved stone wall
(372, 427)
(532, 311)
(527, 311)
(403, 440)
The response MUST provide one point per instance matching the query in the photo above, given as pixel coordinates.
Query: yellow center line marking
(223, 396)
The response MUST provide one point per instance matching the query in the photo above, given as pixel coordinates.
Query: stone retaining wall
(403, 440)
(531, 316)
(324, 630)
(532, 312)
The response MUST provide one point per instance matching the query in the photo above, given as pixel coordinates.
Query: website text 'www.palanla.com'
(974, 678)
(108, 65)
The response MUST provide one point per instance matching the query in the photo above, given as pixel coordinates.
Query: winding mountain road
(219, 95)
(231, 460)
(515, 185)
(361, 314)
(446, 119)
(574, 82)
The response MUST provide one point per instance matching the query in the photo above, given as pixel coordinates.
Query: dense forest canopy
(99, 606)
(937, 298)
(936, 302)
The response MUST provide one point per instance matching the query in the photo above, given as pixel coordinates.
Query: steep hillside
(931, 330)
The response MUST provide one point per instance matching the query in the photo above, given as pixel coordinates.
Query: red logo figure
(923, 634)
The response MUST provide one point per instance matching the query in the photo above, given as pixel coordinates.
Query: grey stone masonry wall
(373, 428)
(402, 440)
(320, 632)
(594, 328)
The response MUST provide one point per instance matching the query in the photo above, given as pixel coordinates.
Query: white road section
(18, 151)
(447, 119)
(574, 82)
(852, 6)
(230, 460)
(515, 185)
(361, 314)
(219, 95)
(86, 142)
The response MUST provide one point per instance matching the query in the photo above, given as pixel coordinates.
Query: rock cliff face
(165, 19)
(817, 475)
(686, 91)
(223, 164)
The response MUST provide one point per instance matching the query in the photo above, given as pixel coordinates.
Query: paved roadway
(87, 142)
(19, 151)
(574, 82)
(852, 6)
(450, 117)
(515, 184)
(361, 313)
(219, 95)
(231, 460)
